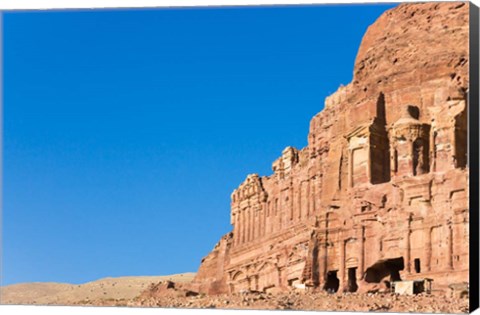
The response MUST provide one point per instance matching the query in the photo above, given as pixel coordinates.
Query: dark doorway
(352, 280)
(332, 283)
(380, 146)
(417, 265)
(385, 268)
(461, 140)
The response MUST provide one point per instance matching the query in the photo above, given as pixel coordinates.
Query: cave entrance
(417, 265)
(332, 283)
(387, 270)
(352, 280)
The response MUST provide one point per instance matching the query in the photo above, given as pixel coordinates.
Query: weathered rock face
(381, 190)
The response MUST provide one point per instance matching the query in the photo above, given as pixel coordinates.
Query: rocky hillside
(50, 293)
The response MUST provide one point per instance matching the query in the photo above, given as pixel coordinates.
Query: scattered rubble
(296, 300)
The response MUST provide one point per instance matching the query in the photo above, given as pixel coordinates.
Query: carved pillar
(264, 219)
(308, 198)
(450, 247)
(350, 168)
(312, 211)
(407, 249)
(361, 254)
(325, 251)
(322, 263)
(393, 161)
(299, 201)
(411, 157)
(271, 218)
(250, 225)
(369, 161)
(235, 229)
(408, 245)
(432, 149)
(246, 225)
(454, 149)
(279, 276)
(428, 248)
(342, 264)
(239, 227)
(253, 223)
(243, 217)
(279, 214)
(257, 222)
(261, 219)
(292, 208)
(268, 207)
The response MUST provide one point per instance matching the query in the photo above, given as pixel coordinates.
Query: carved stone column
(361, 251)
(428, 248)
(242, 226)
(350, 168)
(279, 276)
(342, 264)
(450, 247)
(312, 196)
(407, 249)
(278, 213)
(369, 163)
(321, 261)
(261, 219)
(246, 225)
(408, 253)
(250, 225)
(235, 229)
(256, 222)
(308, 199)
(299, 201)
(291, 204)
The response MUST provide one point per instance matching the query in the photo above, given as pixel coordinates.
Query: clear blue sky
(125, 131)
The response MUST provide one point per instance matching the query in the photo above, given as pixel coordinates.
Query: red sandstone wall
(383, 179)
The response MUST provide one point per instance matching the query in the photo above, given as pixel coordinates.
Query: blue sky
(125, 131)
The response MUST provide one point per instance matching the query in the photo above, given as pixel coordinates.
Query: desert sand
(51, 293)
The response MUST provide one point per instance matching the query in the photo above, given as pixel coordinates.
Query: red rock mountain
(380, 193)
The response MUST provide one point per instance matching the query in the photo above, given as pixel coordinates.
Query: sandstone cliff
(381, 191)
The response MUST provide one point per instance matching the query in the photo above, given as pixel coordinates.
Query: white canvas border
(87, 4)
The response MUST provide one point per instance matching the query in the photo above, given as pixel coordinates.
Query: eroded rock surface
(381, 191)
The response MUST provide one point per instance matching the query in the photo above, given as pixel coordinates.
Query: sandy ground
(67, 294)
(138, 292)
